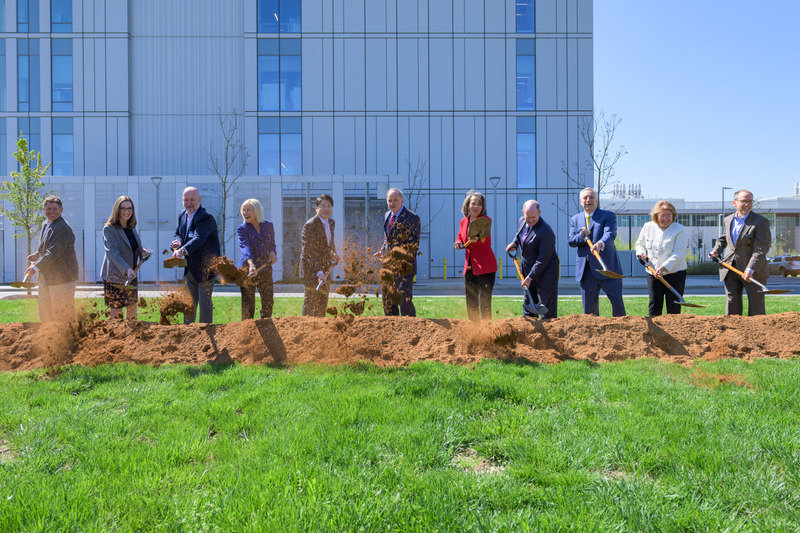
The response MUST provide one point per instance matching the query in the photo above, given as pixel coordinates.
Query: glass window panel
(525, 16)
(291, 98)
(526, 125)
(62, 125)
(61, 16)
(268, 83)
(3, 169)
(28, 75)
(291, 154)
(269, 125)
(27, 16)
(2, 15)
(269, 154)
(62, 74)
(526, 83)
(63, 153)
(268, 47)
(268, 18)
(526, 160)
(290, 47)
(526, 47)
(290, 16)
(291, 125)
(31, 130)
(2, 70)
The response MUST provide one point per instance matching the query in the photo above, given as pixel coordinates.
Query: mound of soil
(391, 341)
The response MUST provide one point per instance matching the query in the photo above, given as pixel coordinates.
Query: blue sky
(708, 93)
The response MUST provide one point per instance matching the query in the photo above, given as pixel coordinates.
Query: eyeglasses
(126, 209)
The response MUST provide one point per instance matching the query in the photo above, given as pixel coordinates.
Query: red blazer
(479, 253)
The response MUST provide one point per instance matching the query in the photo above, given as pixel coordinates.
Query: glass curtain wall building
(346, 97)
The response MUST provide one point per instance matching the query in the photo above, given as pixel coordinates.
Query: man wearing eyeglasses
(744, 244)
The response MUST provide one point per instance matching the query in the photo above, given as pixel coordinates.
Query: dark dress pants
(734, 284)
(263, 282)
(658, 292)
(201, 297)
(478, 291)
(404, 286)
(590, 293)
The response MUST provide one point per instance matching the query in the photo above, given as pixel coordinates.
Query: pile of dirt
(393, 341)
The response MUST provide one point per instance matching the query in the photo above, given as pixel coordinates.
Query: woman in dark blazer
(256, 238)
(123, 249)
(480, 264)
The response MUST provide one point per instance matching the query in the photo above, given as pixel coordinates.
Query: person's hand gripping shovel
(326, 274)
(25, 283)
(127, 285)
(534, 308)
(650, 268)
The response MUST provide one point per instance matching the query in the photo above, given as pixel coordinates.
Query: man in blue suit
(600, 227)
(402, 229)
(197, 241)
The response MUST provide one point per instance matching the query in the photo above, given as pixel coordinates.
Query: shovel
(127, 285)
(764, 289)
(174, 262)
(650, 268)
(534, 308)
(605, 271)
(327, 273)
(480, 227)
(24, 284)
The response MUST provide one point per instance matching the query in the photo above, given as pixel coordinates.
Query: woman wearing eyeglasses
(123, 249)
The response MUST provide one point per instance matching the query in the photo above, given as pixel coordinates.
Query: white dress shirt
(667, 248)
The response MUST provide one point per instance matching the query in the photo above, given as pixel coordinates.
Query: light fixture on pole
(495, 182)
(722, 211)
(157, 182)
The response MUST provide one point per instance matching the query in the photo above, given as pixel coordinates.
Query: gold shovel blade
(22, 284)
(611, 274)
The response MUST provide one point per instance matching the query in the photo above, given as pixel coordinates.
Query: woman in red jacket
(480, 264)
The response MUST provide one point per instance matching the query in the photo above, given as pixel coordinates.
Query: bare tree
(598, 171)
(416, 191)
(228, 167)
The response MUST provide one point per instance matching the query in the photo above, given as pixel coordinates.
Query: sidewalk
(427, 287)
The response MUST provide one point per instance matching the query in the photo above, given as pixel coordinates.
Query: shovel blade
(688, 304)
(22, 284)
(611, 274)
(776, 291)
(535, 309)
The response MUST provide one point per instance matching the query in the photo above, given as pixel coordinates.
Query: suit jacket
(603, 229)
(57, 260)
(749, 250)
(202, 247)
(405, 232)
(316, 253)
(538, 252)
(478, 254)
(252, 248)
(119, 254)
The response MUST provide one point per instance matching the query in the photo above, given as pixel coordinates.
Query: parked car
(784, 265)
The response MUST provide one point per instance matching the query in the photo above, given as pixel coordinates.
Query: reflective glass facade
(61, 57)
(280, 148)
(526, 16)
(61, 16)
(63, 147)
(27, 16)
(28, 75)
(279, 16)
(2, 69)
(31, 129)
(526, 75)
(279, 75)
(526, 152)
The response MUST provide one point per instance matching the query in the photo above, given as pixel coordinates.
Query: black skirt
(118, 298)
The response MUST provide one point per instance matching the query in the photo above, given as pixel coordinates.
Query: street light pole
(157, 182)
(495, 182)
(722, 212)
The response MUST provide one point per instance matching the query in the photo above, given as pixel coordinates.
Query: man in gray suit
(744, 244)
(56, 264)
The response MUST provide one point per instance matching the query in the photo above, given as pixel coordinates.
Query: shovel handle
(596, 253)
(515, 258)
(739, 272)
(327, 273)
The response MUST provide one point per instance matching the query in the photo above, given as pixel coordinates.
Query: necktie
(525, 234)
(588, 221)
(391, 223)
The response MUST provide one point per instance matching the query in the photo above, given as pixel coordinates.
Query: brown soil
(393, 341)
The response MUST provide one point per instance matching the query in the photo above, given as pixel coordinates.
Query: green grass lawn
(632, 446)
(228, 308)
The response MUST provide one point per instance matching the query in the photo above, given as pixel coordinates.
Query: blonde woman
(666, 244)
(256, 238)
(123, 249)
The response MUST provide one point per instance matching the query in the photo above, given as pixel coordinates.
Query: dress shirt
(736, 226)
(259, 247)
(327, 226)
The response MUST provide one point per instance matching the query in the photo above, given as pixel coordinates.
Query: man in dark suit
(402, 229)
(744, 244)
(601, 228)
(540, 268)
(57, 265)
(317, 257)
(196, 239)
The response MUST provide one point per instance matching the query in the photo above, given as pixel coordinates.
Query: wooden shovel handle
(731, 267)
(660, 278)
(519, 270)
(594, 252)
